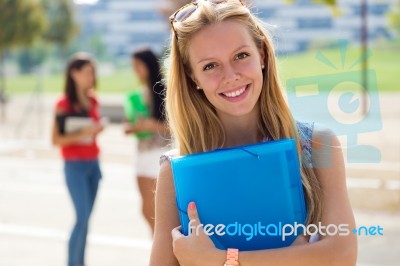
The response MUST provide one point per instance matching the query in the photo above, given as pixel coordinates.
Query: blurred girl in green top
(150, 146)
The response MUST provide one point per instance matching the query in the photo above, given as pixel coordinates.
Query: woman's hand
(141, 125)
(91, 131)
(196, 249)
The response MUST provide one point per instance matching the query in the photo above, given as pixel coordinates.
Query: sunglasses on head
(187, 10)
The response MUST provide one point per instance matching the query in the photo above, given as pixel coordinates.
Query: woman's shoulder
(168, 155)
(305, 132)
(311, 130)
(92, 95)
(322, 131)
(62, 100)
(62, 104)
(316, 140)
(323, 140)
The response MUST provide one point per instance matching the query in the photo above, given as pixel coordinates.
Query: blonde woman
(223, 90)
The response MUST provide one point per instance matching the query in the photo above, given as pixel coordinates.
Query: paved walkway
(36, 213)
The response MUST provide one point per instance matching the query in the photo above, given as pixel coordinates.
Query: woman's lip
(237, 98)
(235, 89)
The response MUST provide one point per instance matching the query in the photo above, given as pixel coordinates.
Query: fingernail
(192, 206)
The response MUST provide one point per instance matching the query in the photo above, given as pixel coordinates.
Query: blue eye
(242, 55)
(208, 66)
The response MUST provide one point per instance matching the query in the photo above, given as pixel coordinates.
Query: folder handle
(252, 153)
(240, 148)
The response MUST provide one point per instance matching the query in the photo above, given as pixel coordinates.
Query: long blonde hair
(193, 120)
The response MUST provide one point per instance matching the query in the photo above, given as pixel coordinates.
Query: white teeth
(234, 93)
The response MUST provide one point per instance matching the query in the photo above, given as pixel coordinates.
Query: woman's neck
(242, 130)
(83, 98)
(147, 93)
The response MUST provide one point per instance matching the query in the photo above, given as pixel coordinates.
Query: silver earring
(198, 88)
(262, 66)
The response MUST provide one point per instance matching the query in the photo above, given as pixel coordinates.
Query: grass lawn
(119, 81)
(384, 61)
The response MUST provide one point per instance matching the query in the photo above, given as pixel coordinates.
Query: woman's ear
(195, 82)
(194, 79)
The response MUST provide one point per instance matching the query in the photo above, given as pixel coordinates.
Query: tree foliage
(21, 22)
(32, 57)
(394, 17)
(327, 2)
(62, 27)
(33, 25)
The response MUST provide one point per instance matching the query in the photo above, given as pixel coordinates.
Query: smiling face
(227, 65)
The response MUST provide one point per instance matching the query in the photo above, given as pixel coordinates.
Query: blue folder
(255, 191)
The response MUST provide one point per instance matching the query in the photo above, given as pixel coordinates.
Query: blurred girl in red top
(79, 148)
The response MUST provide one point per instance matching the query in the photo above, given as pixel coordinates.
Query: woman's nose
(230, 74)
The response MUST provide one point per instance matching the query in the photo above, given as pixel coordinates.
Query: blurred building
(124, 25)
(297, 26)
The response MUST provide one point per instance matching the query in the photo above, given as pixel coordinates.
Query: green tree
(98, 47)
(62, 27)
(21, 22)
(60, 30)
(394, 17)
(32, 57)
(328, 2)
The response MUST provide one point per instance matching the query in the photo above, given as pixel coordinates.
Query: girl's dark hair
(77, 61)
(154, 81)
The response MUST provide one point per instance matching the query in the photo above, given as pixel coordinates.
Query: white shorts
(148, 162)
